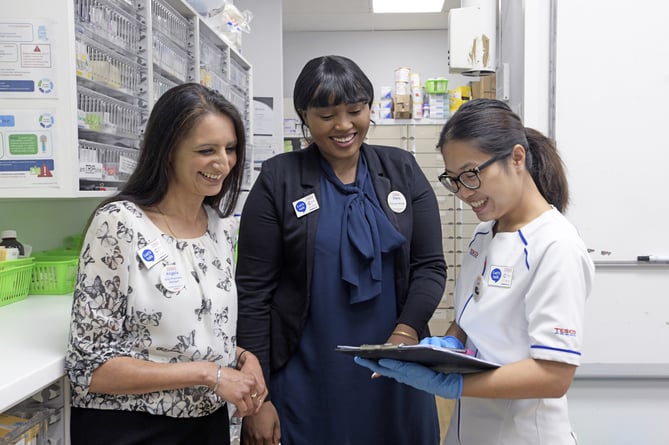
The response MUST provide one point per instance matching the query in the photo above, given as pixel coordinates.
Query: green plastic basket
(15, 280)
(436, 86)
(54, 272)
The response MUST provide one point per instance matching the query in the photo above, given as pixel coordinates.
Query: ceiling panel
(355, 15)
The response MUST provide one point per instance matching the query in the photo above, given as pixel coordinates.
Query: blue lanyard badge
(306, 205)
(152, 253)
(500, 276)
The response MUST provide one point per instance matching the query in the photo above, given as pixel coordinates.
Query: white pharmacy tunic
(521, 294)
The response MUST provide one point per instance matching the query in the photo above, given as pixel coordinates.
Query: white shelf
(33, 341)
(410, 121)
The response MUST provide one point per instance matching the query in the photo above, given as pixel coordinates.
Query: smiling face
(201, 161)
(338, 130)
(502, 182)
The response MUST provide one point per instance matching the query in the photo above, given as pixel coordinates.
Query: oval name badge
(397, 202)
(172, 279)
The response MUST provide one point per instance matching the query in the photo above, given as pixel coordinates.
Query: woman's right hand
(262, 428)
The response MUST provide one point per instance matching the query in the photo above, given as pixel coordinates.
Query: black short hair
(331, 80)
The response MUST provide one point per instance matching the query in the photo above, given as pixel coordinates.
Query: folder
(439, 359)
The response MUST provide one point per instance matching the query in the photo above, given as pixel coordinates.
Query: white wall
(536, 65)
(621, 393)
(263, 48)
(378, 53)
(620, 411)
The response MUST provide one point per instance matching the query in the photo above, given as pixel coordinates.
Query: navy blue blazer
(276, 248)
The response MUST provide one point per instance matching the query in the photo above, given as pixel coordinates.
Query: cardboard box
(402, 107)
(402, 115)
(485, 88)
(437, 99)
(402, 99)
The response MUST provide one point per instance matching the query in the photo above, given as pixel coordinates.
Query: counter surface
(33, 341)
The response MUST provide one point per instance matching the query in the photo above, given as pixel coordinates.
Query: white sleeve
(555, 302)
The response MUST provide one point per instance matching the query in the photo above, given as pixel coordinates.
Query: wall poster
(27, 147)
(26, 63)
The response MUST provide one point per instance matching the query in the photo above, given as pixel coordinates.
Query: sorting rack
(128, 54)
(106, 163)
(112, 87)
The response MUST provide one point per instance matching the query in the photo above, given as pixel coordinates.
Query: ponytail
(547, 169)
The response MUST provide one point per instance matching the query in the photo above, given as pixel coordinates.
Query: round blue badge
(496, 274)
(301, 206)
(147, 254)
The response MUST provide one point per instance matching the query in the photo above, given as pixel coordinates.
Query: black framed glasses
(469, 179)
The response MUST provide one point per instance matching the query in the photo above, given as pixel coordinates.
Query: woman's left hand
(403, 334)
(251, 365)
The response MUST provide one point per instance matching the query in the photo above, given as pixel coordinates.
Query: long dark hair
(495, 129)
(330, 80)
(172, 118)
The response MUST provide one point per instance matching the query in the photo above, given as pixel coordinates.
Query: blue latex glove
(448, 341)
(448, 386)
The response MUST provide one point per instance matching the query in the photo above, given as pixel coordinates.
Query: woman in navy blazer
(340, 243)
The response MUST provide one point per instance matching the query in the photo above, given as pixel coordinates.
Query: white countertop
(33, 341)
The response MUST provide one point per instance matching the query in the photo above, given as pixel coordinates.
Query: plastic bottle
(9, 240)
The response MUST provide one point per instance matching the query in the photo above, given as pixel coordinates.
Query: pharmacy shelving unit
(110, 61)
(106, 64)
(420, 136)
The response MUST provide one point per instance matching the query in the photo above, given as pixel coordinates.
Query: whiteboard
(612, 130)
(612, 123)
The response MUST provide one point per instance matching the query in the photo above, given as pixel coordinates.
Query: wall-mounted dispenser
(472, 38)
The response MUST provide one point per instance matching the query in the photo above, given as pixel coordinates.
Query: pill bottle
(9, 240)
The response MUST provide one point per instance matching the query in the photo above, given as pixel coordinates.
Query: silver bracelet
(218, 379)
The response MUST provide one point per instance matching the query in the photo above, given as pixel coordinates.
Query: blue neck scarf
(366, 233)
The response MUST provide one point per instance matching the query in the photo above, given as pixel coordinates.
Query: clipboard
(439, 359)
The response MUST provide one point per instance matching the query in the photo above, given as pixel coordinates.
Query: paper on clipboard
(440, 359)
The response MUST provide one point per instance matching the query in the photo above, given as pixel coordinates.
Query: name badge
(500, 276)
(172, 279)
(306, 205)
(397, 202)
(152, 253)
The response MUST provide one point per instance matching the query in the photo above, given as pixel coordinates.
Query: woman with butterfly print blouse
(152, 355)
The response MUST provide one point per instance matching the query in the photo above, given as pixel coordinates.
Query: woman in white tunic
(152, 355)
(520, 295)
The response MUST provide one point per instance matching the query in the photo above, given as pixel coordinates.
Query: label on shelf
(90, 170)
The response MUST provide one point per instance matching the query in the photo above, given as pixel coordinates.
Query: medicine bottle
(9, 240)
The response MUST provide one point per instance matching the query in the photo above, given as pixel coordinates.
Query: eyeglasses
(469, 179)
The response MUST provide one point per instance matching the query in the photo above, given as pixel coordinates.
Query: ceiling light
(395, 6)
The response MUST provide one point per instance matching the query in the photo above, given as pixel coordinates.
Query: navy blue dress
(322, 396)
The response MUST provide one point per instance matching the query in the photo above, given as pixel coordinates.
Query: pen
(653, 258)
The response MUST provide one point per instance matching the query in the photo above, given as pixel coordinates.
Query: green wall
(45, 223)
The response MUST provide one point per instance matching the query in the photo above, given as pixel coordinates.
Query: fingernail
(376, 375)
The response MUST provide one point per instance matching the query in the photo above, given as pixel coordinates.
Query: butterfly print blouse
(180, 308)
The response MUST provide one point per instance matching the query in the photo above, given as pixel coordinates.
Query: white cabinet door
(421, 140)
(390, 135)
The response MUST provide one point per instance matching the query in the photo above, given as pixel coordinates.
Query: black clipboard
(439, 359)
